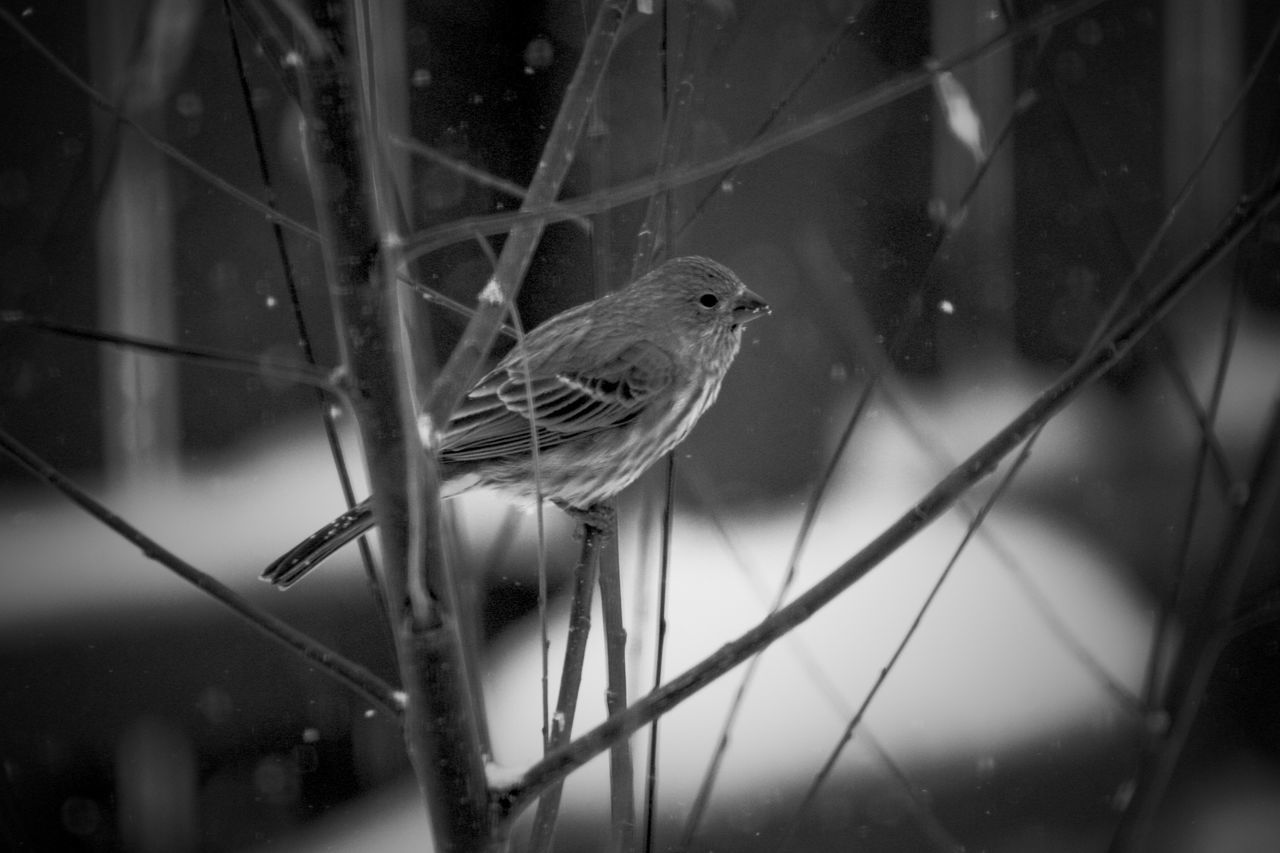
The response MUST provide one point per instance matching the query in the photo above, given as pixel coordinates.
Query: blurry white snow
(229, 517)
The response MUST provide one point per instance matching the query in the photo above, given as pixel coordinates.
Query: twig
(1205, 421)
(621, 772)
(855, 719)
(651, 242)
(1204, 644)
(351, 674)
(303, 374)
(460, 230)
(584, 582)
(159, 144)
(1187, 529)
(465, 362)
(473, 173)
(932, 505)
(328, 418)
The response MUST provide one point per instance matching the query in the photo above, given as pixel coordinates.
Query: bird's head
(702, 293)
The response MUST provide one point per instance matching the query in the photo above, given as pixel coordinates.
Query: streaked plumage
(611, 385)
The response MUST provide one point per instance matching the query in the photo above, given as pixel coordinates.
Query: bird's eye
(708, 300)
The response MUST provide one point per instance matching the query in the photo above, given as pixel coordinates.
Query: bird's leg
(599, 517)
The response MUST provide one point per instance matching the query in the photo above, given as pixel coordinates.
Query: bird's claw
(599, 517)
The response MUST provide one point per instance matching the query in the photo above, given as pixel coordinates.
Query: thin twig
(1164, 349)
(1204, 644)
(846, 736)
(465, 362)
(584, 582)
(659, 646)
(653, 242)
(1174, 592)
(1165, 616)
(473, 173)
(621, 772)
(775, 110)
(431, 239)
(928, 822)
(535, 457)
(349, 673)
(303, 374)
(165, 148)
(328, 418)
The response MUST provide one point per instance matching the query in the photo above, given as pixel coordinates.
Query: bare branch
(352, 674)
(468, 356)
(303, 374)
(442, 717)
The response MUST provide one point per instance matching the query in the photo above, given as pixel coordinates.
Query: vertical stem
(441, 723)
(621, 772)
(584, 581)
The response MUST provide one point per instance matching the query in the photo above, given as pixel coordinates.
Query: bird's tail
(316, 548)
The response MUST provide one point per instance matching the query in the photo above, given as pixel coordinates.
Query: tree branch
(441, 726)
(351, 674)
(468, 356)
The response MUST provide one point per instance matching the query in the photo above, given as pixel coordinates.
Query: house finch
(608, 387)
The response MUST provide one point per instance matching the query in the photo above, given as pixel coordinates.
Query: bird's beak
(748, 306)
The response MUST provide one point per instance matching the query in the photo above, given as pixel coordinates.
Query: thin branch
(621, 772)
(1262, 608)
(468, 356)
(846, 736)
(937, 501)
(271, 41)
(927, 822)
(1204, 644)
(1164, 349)
(474, 173)
(584, 582)
(651, 241)
(660, 645)
(435, 297)
(1173, 594)
(797, 85)
(328, 418)
(431, 239)
(351, 674)
(303, 374)
(165, 148)
(1205, 421)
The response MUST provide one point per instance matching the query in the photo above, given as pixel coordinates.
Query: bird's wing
(565, 404)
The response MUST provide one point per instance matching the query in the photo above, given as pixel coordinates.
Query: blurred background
(948, 253)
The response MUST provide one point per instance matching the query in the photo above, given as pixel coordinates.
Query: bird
(606, 388)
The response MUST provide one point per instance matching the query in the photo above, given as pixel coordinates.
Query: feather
(494, 420)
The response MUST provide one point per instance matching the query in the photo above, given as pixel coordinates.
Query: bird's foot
(599, 517)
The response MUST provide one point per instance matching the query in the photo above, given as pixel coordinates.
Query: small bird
(608, 387)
